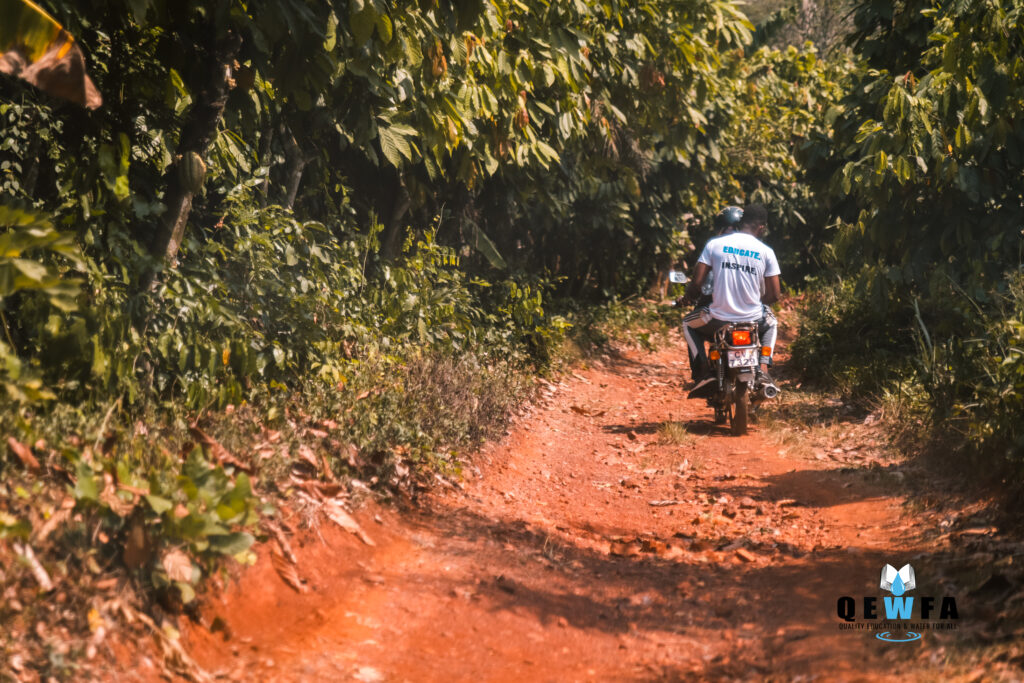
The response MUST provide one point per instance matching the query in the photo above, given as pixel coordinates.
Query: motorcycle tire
(740, 411)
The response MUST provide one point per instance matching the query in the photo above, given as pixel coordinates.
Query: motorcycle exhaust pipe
(769, 390)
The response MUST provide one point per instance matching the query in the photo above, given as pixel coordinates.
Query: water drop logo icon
(898, 582)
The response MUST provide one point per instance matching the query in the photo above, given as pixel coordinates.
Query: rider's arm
(772, 289)
(700, 274)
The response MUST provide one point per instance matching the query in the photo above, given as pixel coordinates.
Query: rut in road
(615, 534)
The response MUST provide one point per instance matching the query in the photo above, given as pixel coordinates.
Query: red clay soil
(550, 562)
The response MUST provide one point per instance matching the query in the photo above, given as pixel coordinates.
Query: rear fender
(746, 375)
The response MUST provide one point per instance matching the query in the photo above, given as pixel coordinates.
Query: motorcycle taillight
(741, 337)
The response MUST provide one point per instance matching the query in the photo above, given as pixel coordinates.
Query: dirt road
(615, 534)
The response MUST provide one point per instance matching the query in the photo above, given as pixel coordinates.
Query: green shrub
(951, 363)
(975, 382)
(846, 337)
(31, 280)
(290, 323)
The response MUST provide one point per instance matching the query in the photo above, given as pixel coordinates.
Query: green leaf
(363, 23)
(31, 269)
(159, 504)
(290, 257)
(385, 30)
(485, 246)
(547, 150)
(86, 483)
(114, 163)
(394, 145)
(231, 544)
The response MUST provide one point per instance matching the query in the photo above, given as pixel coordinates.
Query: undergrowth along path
(615, 534)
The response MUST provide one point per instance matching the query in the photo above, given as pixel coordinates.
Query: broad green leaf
(485, 246)
(86, 483)
(363, 23)
(159, 504)
(394, 145)
(231, 544)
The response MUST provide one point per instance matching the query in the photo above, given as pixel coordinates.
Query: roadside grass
(816, 424)
(674, 433)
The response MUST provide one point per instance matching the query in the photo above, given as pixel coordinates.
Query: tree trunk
(393, 231)
(296, 165)
(197, 135)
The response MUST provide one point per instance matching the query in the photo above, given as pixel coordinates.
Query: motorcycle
(741, 386)
(736, 355)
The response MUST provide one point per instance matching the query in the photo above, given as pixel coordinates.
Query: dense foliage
(354, 222)
(241, 200)
(924, 159)
(345, 223)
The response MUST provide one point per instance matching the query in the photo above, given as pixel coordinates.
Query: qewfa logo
(896, 625)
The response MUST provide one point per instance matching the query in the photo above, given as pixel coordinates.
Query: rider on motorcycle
(745, 281)
(724, 222)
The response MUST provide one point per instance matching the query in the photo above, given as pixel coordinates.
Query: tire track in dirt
(550, 563)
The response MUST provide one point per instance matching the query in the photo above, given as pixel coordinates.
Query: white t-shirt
(739, 262)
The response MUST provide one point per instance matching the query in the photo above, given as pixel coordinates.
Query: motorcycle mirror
(678, 277)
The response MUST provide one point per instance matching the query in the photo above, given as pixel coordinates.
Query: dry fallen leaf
(282, 540)
(55, 520)
(217, 451)
(22, 452)
(38, 571)
(307, 455)
(287, 571)
(177, 565)
(745, 555)
(109, 497)
(337, 514)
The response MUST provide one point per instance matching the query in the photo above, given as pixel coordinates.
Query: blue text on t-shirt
(741, 252)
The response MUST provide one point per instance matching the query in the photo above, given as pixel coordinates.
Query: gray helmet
(729, 217)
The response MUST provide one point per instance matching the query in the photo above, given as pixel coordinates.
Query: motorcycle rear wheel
(741, 410)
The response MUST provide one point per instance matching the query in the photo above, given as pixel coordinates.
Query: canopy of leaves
(923, 165)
